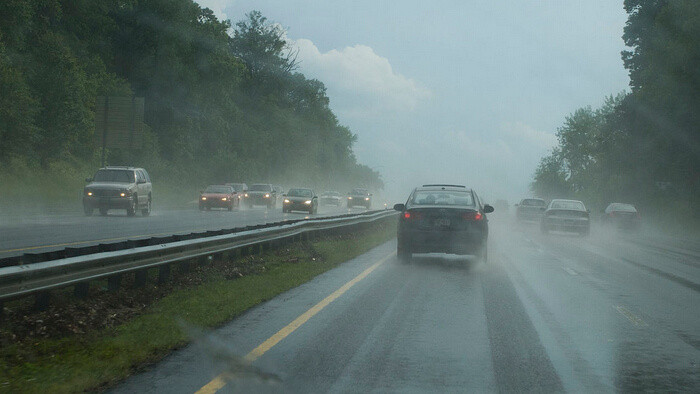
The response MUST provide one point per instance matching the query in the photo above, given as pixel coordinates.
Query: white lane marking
(569, 271)
(634, 319)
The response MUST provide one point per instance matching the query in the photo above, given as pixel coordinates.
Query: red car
(218, 196)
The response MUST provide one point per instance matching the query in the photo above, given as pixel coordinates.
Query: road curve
(546, 314)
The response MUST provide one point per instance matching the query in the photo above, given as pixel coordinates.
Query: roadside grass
(102, 358)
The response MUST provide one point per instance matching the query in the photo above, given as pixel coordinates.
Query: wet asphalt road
(556, 313)
(43, 233)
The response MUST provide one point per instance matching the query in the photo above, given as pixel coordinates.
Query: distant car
(331, 198)
(566, 215)
(359, 198)
(300, 199)
(443, 219)
(112, 187)
(261, 194)
(218, 196)
(530, 209)
(622, 216)
(240, 188)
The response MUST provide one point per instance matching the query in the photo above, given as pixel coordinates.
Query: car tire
(403, 254)
(147, 211)
(131, 211)
(483, 255)
(230, 207)
(87, 210)
(103, 211)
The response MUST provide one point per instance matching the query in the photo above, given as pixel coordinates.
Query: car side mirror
(588, 210)
(201, 192)
(399, 207)
(88, 180)
(488, 208)
(516, 205)
(284, 195)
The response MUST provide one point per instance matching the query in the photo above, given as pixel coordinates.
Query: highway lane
(546, 314)
(43, 233)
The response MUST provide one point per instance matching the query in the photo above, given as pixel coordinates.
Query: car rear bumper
(572, 225)
(451, 242)
(108, 202)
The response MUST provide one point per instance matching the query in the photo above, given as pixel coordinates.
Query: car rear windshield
(624, 208)
(218, 189)
(260, 188)
(442, 198)
(124, 176)
(300, 193)
(574, 205)
(531, 202)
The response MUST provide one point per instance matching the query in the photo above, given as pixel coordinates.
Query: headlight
(89, 193)
(307, 202)
(267, 195)
(246, 194)
(122, 194)
(204, 198)
(366, 198)
(286, 201)
(223, 199)
(349, 198)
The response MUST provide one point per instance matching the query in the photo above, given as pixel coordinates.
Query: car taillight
(408, 215)
(472, 216)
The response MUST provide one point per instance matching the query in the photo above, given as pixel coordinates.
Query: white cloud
(217, 6)
(359, 81)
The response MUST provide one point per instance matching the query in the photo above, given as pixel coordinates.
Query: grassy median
(92, 359)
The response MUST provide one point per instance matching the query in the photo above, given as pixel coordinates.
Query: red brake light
(472, 216)
(407, 215)
(412, 215)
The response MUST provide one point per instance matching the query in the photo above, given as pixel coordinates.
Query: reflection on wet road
(546, 314)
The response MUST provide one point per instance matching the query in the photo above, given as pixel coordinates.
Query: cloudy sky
(465, 91)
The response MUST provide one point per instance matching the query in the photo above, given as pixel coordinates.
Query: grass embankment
(101, 357)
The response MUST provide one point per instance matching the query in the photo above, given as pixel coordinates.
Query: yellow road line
(220, 381)
(92, 241)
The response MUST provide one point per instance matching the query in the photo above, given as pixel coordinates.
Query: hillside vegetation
(223, 103)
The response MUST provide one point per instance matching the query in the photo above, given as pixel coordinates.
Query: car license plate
(442, 222)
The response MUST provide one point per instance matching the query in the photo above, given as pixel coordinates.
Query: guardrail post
(2, 310)
(140, 278)
(113, 282)
(163, 273)
(81, 290)
(41, 300)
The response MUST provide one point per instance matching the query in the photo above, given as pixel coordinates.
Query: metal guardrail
(24, 280)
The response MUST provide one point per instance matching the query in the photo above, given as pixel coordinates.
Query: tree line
(223, 102)
(641, 146)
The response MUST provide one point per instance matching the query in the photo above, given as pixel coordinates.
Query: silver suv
(118, 188)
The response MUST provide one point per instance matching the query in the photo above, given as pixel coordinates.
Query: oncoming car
(218, 196)
(566, 215)
(126, 188)
(359, 198)
(331, 198)
(300, 199)
(443, 219)
(261, 194)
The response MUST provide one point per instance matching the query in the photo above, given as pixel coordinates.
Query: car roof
(457, 188)
(564, 200)
(120, 168)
